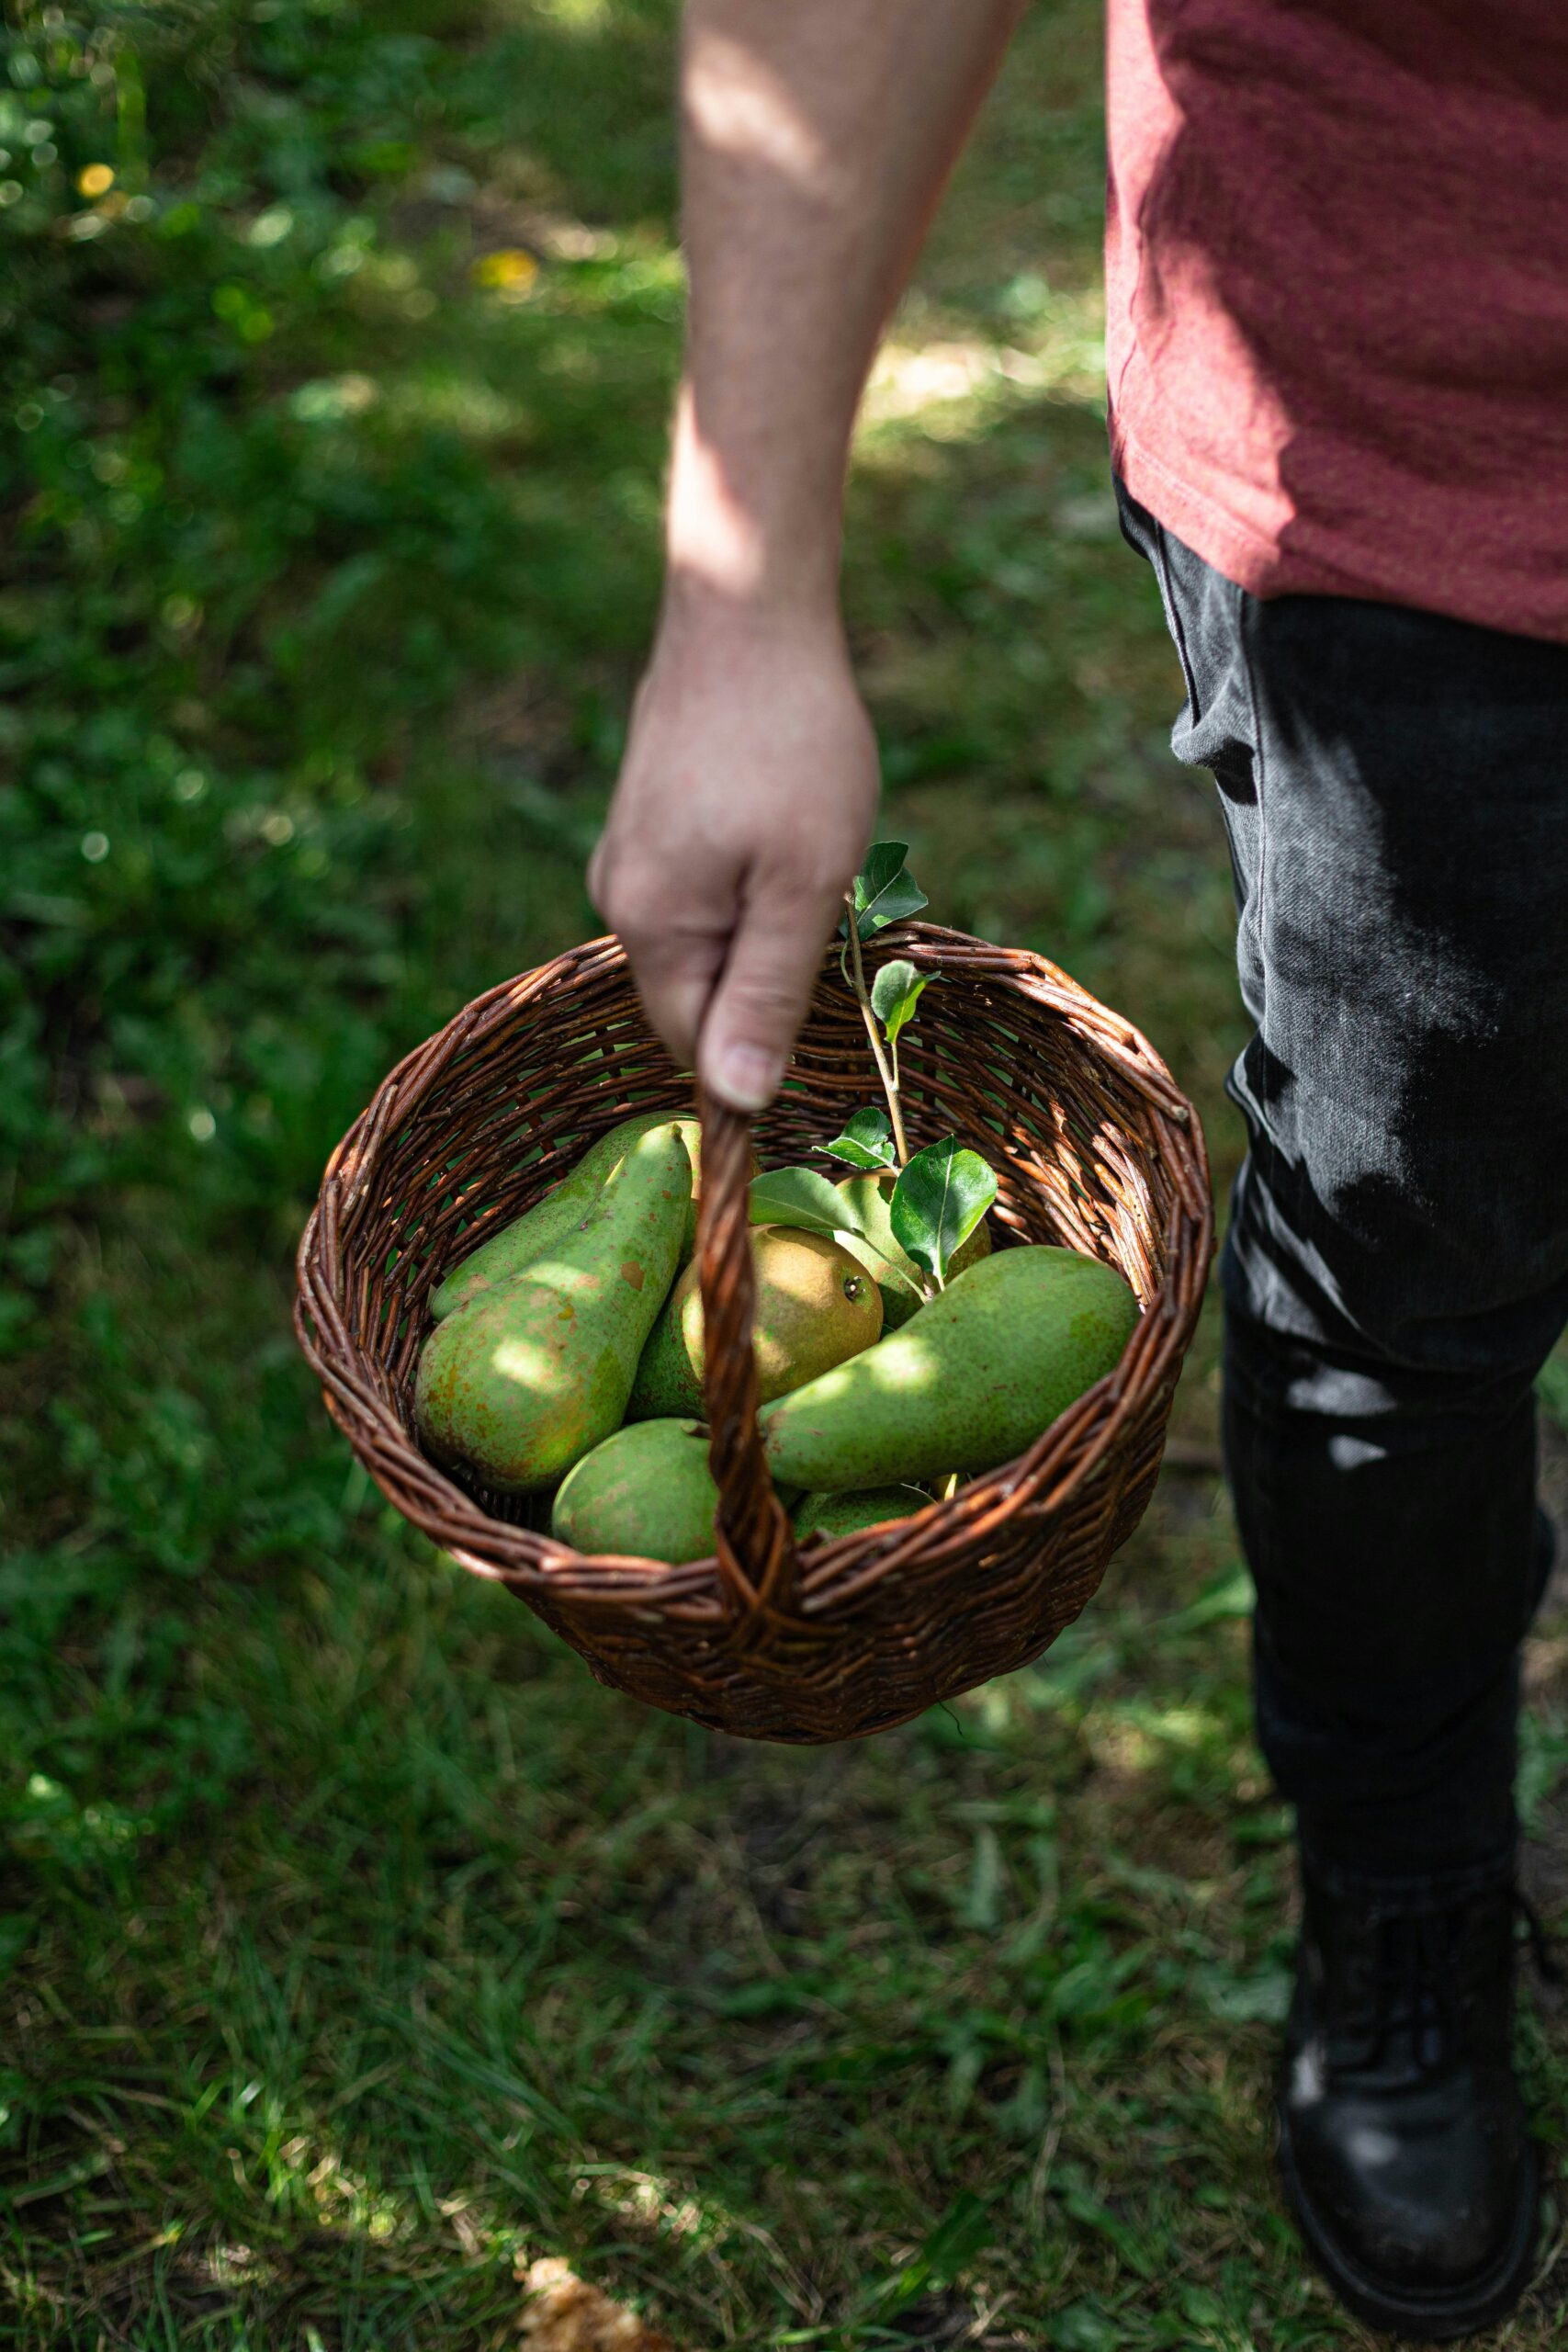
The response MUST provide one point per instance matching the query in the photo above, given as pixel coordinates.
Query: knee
(1446, 1282)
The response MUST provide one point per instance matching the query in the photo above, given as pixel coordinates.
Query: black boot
(1402, 2140)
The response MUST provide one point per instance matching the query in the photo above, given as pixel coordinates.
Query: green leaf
(895, 994)
(937, 1201)
(799, 1196)
(867, 1140)
(885, 891)
(964, 2230)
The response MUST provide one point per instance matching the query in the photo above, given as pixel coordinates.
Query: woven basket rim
(832, 1575)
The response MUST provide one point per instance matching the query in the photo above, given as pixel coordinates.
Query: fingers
(675, 979)
(760, 1003)
(675, 939)
(746, 795)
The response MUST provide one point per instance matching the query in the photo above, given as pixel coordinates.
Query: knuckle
(807, 879)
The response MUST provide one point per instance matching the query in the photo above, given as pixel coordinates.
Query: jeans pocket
(1160, 559)
(1146, 536)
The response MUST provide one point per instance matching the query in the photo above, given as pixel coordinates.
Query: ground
(360, 1960)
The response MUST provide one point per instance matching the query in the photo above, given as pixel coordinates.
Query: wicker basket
(1093, 1146)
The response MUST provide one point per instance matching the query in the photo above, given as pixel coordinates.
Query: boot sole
(1438, 2318)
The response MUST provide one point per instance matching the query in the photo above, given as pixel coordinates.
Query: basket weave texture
(1093, 1146)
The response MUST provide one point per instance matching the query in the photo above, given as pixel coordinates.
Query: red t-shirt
(1337, 278)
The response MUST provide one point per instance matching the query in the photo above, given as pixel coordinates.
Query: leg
(1395, 789)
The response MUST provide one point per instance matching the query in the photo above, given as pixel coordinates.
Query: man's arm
(816, 138)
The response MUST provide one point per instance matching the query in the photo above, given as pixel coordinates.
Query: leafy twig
(856, 977)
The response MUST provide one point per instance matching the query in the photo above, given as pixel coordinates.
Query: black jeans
(1395, 790)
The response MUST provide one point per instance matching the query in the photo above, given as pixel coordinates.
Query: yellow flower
(95, 179)
(510, 273)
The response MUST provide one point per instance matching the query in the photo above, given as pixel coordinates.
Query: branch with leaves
(884, 892)
(942, 1192)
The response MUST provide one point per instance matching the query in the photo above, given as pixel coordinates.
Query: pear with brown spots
(493, 1262)
(525, 1380)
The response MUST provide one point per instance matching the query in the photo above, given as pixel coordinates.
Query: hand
(743, 810)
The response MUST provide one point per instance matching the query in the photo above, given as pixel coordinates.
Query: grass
(354, 1947)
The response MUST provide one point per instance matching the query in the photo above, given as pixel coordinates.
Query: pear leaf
(895, 994)
(885, 891)
(799, 1196)
(867, 1140)
(937, 1201)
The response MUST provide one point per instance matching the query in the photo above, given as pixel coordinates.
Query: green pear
(814, 1306)
(538, 1229)
(969, 1382)
(522, 1381)
(820, 1518)
(871, 1196)
(646, 1490)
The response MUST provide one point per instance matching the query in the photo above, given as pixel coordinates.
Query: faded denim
(1394, 786)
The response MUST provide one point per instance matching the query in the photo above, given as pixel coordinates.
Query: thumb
(755, 1013)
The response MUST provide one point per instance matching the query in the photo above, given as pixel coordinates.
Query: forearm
(816, 139)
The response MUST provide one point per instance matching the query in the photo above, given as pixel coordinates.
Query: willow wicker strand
(755, 1545)
(1094, 1145)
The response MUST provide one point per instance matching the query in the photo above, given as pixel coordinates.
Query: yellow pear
(871, 1196)
(815, 1308)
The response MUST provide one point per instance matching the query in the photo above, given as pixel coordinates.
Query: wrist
(741, 537)
(696, 613)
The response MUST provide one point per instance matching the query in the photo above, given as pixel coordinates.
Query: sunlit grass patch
(956, 390)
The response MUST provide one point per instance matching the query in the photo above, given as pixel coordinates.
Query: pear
(820, 1518)
(538, 1229)
(646, 1490)
(969, 1382)
(814, 1306)
(871, 1197)
(523, 1380)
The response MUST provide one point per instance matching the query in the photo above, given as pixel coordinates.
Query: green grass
(354, 1945)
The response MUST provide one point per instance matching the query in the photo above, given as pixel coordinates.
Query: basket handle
(756, 1556)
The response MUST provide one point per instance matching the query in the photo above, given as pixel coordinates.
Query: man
(1337, 280)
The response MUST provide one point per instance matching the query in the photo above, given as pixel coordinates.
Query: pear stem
(885, 1070)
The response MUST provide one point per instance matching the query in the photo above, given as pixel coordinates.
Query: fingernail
(746, 1077)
